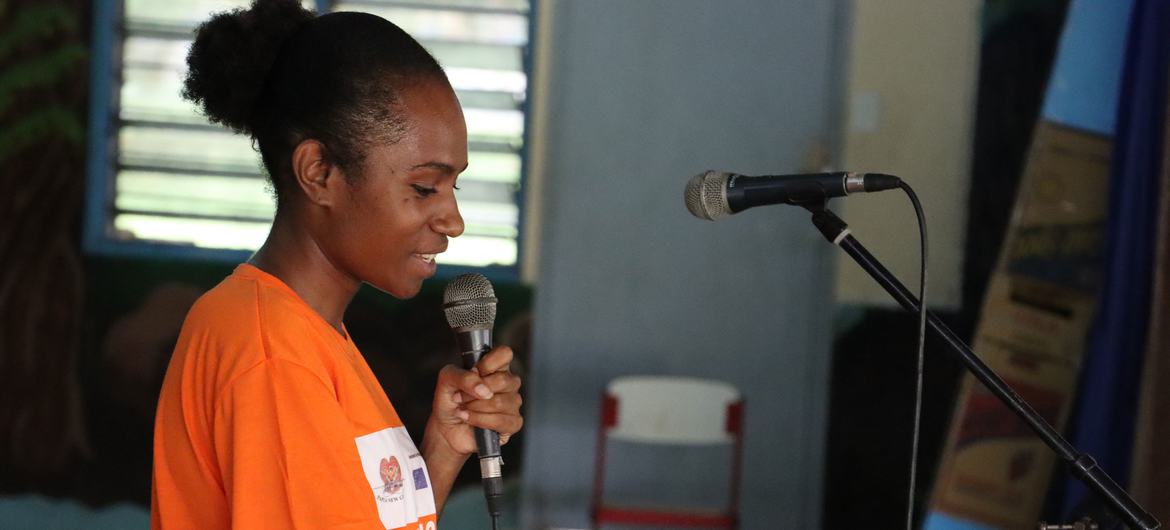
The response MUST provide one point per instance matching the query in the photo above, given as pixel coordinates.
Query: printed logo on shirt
(391, 476)
(398, 478)
(418, 471)
(420, 479)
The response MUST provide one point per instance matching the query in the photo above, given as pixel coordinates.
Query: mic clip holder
(1083, 466)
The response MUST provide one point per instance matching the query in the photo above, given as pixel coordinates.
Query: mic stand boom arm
(1083, 465)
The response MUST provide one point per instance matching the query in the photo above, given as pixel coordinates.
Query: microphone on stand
(469, 303)
(713, 195)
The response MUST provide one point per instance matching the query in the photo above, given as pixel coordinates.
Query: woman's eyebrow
(441, 166)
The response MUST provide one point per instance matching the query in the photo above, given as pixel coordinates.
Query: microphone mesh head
(706, 195)
(469, 302)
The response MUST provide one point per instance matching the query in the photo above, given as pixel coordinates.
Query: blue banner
(1111, 370)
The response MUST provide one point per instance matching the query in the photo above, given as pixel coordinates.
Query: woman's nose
(449, 221)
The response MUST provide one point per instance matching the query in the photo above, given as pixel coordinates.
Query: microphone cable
(921, 350)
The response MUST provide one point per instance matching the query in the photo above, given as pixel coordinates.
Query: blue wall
(1085, 80)
(643, 95)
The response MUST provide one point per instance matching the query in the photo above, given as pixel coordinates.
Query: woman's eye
(457, 188)
(423, 191)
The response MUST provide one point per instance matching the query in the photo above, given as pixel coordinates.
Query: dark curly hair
(282, 75)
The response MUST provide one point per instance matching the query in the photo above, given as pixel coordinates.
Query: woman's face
(399, 213)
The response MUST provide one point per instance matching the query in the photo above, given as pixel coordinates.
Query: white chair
(673, 411)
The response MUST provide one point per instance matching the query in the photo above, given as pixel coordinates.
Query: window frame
(102, 145)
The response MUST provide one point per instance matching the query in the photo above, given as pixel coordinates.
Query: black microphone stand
(1083, 465)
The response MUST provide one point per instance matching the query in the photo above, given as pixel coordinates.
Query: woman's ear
(318, 178)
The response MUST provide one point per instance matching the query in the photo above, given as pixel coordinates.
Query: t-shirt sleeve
(287, 453)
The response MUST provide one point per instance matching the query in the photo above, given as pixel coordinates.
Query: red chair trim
(655, 517)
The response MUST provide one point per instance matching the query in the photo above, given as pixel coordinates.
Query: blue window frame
(163, 182)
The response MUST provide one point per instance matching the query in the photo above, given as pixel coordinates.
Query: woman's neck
(291, 254)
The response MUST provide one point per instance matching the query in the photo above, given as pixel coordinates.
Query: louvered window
(165, 182)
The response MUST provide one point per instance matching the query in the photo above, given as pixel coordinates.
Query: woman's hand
(486, 396)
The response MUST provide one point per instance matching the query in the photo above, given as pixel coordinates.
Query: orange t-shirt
(270, 418)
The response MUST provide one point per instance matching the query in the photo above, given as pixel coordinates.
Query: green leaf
(50, 122)
(39, 71)
(32, 23)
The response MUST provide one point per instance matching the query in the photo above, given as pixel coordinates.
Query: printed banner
(1037, 312)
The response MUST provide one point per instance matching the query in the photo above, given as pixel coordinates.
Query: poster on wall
(994, 472)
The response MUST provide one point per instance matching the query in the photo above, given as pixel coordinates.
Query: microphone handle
(744, 192)
(474, 344)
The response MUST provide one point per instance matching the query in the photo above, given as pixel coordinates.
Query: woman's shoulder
(247, 304)
(244, 326)
(258, 319)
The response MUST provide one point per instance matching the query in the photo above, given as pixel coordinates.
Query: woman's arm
(443, 464)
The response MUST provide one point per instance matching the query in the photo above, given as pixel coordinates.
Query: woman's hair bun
(232, 55)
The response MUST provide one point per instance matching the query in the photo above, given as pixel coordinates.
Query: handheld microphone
(713, 195)
(469, 303)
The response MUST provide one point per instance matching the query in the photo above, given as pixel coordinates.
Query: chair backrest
(670, 410)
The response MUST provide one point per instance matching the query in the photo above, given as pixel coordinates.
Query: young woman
(269, 416)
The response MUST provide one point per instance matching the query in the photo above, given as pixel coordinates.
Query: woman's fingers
(496, 360)
(503, 382)
(490, 401)
(501, 423)
(470, 383)
(507, 403)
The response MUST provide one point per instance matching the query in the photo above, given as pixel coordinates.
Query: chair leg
(735, 426)
(608, 419)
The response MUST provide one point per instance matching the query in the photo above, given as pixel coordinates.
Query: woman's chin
(400, 288)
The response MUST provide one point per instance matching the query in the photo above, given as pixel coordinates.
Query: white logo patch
(398, 476)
